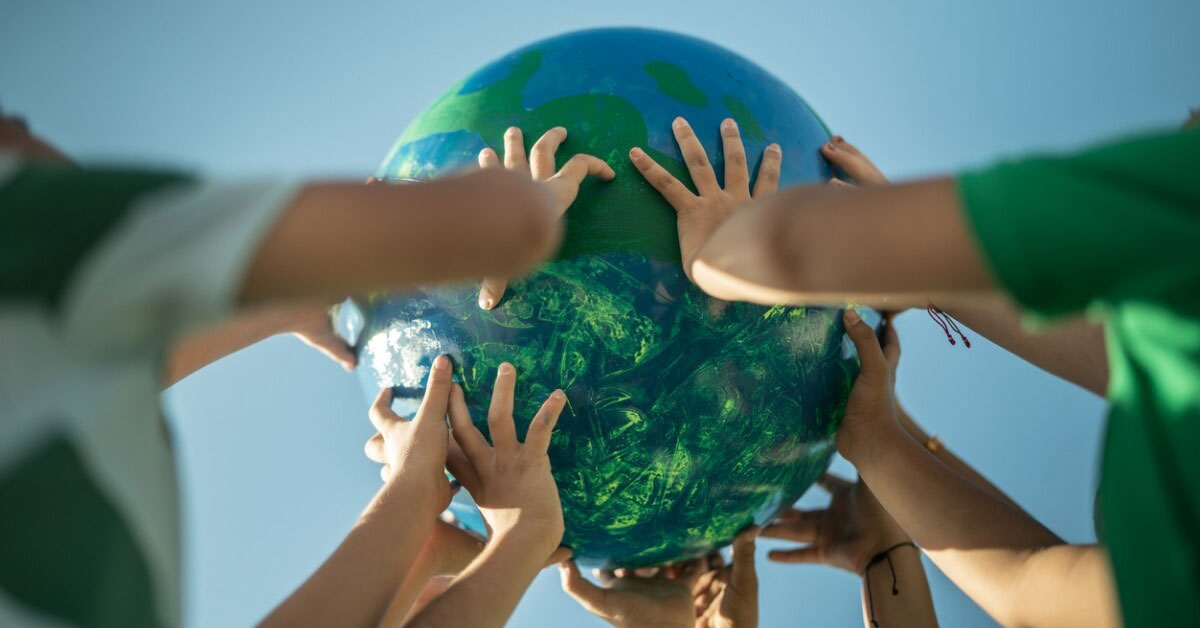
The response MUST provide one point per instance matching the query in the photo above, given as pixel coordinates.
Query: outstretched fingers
(468, 437)
(581, 166)
(737, 175)
(542, 425)
(847, 157)
(500, 417)
(800, 556)
(590, 596)
(767, 181)
(432, 414)
(675, 192)
(744, 575)
(514, 150)
(541, 156)
(488, 158)
(695, 158)
(802, 530)
(490, 291)
(381, 414)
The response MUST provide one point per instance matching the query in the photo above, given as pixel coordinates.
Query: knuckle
(665, 181)
(736, 158)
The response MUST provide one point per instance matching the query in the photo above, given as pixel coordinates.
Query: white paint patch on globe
(396, 352)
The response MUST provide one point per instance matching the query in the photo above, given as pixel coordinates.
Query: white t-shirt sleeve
(175, 262)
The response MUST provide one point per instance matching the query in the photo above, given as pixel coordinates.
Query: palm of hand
(313, 325)
(518, 481)
(700, 214)
(847, 534)
(853, 528)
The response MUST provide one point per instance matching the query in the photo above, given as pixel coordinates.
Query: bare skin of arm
(848, 534)
(1016, 569)
(511, 483)
(1072, 349)
(912, 248)
(309, 322)
(336, 239)
(355, 584)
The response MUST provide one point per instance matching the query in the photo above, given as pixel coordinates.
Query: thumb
(491, 291)
(739, 601)
(874, 365)
(590, 596)
(744, 576)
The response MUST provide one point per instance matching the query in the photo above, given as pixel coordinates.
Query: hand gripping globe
(687, 418)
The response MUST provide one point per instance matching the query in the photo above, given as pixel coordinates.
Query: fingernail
(441, 364)
(486, 303)
(774, 148)
(506, 369)
(680, 122)
(728, 123)
(829, 147)
(558, 394)
(852, 317)
(636, 153)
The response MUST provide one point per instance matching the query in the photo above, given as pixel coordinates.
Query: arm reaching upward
(1020, 572)
(512, 485)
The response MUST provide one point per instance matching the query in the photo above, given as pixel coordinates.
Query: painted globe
(688, 418)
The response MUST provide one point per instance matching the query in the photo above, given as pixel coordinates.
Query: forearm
(947, 457)
(202, 347)
(488, 590)
(889, 247)
(410, 589)
(897, 594)
(979, 542)
(1073, 350)
(354, 585)
(336, 239)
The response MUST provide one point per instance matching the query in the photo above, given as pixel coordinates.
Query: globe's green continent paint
(688, 418)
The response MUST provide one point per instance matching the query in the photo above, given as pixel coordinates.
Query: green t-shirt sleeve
(1119, 222)
(51, 218)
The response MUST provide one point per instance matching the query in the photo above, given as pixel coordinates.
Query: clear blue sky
(271, 438)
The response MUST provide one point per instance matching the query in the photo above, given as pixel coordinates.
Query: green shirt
(1115, 231)
(99, 269)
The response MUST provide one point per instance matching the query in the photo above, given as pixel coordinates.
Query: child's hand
(509, 480)
(727, 596)
(415, 451)
(563, 185)
(699, 215)
(855, 164)
(871, 409)
(631, 600)
(313, 326)
(847, 534)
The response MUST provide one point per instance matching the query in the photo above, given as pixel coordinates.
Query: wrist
(415, 492)
(861, 444)
(537, 538)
